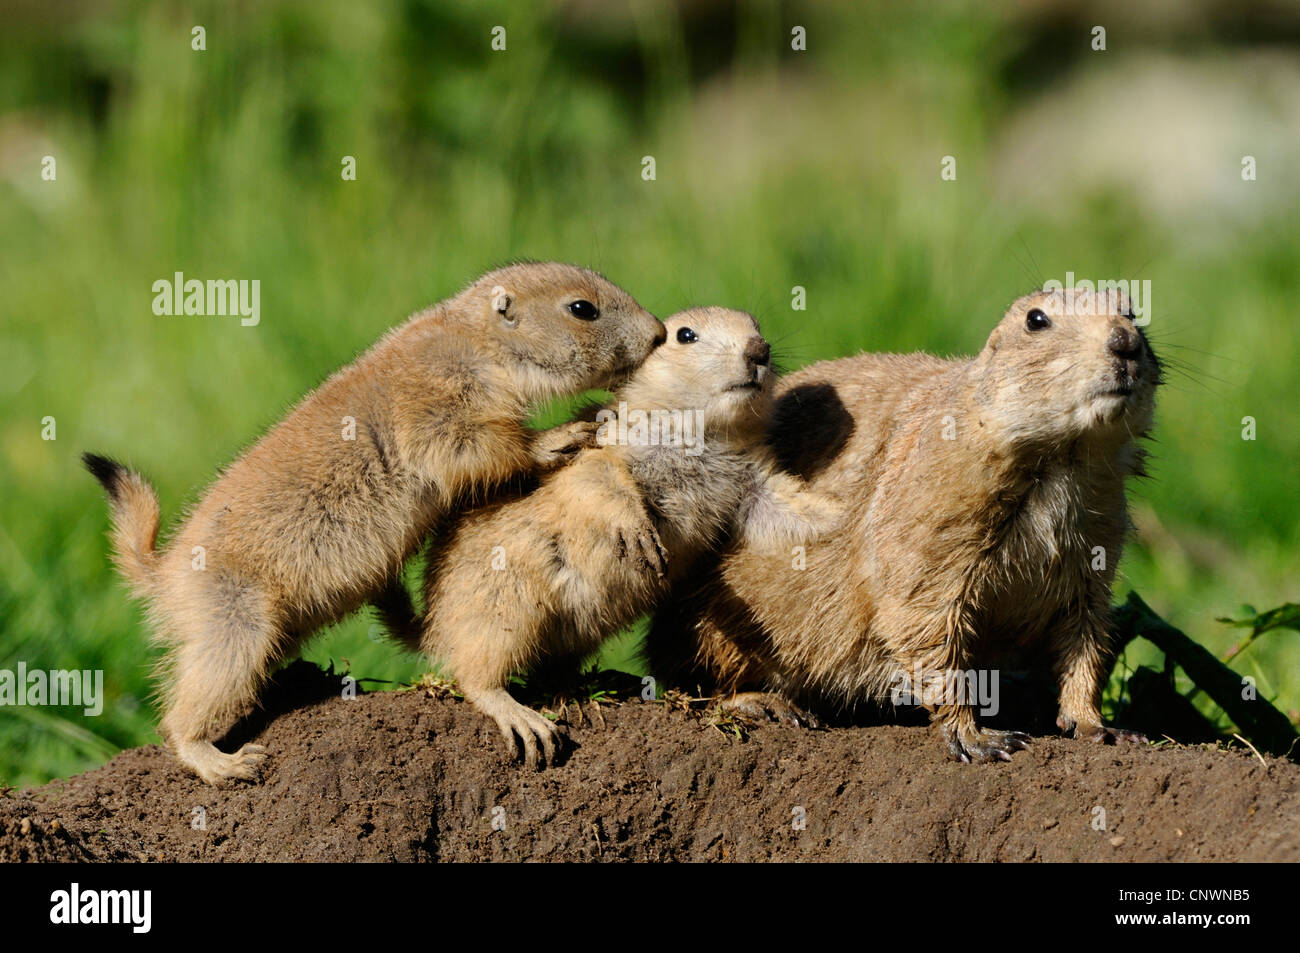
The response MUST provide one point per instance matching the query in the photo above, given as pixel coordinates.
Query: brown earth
(419, 775)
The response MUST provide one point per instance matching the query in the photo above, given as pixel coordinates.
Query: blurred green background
(774, 168)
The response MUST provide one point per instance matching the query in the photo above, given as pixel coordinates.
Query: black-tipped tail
(133, 505)
(108, 472)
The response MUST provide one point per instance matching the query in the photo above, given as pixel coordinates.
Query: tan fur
(306, 526)
(958, 554)
(548, 575)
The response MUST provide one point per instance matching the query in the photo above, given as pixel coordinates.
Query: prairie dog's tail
(133, 505)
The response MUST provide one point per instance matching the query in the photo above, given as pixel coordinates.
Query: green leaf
(1283, 617)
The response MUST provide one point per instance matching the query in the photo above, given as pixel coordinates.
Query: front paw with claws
(557, 446)
(982, 745)
(643, 546)
(1098, 733)
(528, 734)
(768, 706)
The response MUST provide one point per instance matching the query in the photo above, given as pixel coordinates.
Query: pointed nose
(1124, 342)
(758, 352)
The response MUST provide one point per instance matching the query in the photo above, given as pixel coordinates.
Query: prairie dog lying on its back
(319, 515)
(544, 574)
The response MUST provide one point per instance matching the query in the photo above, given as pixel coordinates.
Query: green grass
(773, 171)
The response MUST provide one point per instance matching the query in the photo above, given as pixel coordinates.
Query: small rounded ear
(501, 304)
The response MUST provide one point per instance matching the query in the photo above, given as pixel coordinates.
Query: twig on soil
(1252, 748)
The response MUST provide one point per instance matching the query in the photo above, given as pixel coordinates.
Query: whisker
(1196, 350)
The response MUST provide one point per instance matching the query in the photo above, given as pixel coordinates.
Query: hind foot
(217, 767)
(765, 706)
(539, 736)
(982, 745)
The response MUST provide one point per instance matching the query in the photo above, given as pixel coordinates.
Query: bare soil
(421, 776)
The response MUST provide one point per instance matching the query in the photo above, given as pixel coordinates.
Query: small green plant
(437, 686)
(725, 722)
(1283, 617)
(1153, 698)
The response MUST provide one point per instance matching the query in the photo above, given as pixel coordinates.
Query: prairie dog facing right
(986, 514)
(545, 574)
(318, 516)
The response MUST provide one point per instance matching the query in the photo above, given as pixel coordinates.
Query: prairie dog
(986, 513)
(545, 574)
(319, 515)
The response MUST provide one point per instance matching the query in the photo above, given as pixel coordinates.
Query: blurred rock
(1166, 133)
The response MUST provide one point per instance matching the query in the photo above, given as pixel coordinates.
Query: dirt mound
(409, 776)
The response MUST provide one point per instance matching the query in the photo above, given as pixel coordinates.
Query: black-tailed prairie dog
(543, 575)
(985, 513)
(319, 515)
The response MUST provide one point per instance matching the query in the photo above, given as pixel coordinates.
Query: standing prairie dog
(319, 515)
(986, 514)
(545, 575)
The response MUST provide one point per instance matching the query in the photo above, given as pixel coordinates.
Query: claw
(1109, 736)
(1098, 733)
(980, 744)
(520, 726)
(765, 706)
(644, 545)
(555, 446)
(652, 551)
(216, 767)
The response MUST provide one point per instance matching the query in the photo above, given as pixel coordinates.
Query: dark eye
(1036, 320)
(585, 310)
(686, 336)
